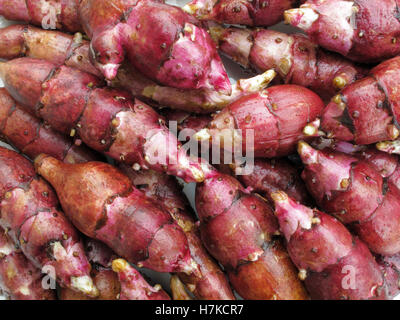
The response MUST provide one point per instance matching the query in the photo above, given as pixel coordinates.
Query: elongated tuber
(287, 111)
(73, 51)
(362, 30)
(103, 204)
(294, 57)
(334, 265)
(238, 229)
(251, 13)
(47, 14)
(210, 283)
(356, 193)
(33, 137)
(107, 120)
(29, 213)
(19, 278)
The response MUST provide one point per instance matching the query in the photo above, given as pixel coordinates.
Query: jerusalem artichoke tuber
(288, 111)
(362, 30)
(29, 213)
(238, 229)
(73, 51)
(32, 137)
(334, 265)
(19, 278)
(251, 13)
(103, 204)
(47, 14)
(294, 57)
(356, 193)
(210, 283)
(367, 110)
(107, 120)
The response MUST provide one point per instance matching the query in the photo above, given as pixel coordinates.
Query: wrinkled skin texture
(238, 229)
(29, 213)
(19, 278)
(251, 13)
(103, 204)
(134, 286)
(161, 41)
(40, 12)
(210, 283)
(356, 193)
(273, 175)
(105, 119)
(362, 30)
(285, 110)
(61, 48)
(325, 252)
(295, 58)
(366, 111)
(32, 137)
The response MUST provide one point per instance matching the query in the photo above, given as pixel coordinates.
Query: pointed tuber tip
(190, 8)
(389, 146)
(291, 215)
(119, 265)
(258, 82)
(109, 70)
(302, 17)
(279, 196)
(307, 153)
(85, 285)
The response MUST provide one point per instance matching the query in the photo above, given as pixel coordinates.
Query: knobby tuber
(107, 120)
(333, 264)
(238, 229)
(29, 214)
(103, 204)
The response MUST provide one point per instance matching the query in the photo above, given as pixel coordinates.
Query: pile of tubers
(97, 97)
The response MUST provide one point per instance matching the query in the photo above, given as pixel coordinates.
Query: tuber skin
(363, 30)
(134, 286)
(104, 205)
(29, 214)
(163, 42)
(39, 12)
(210, 283)
(387, 164)
(19, 278)
(73, 51)
(295, 58)
(105, 119)
(271, 175)
(260, 13)
(288, 111)
(366, 111)
(106, 280)
(356, 193)
(334, 265)
(390, 267)
(238, 229)
(33, 137)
